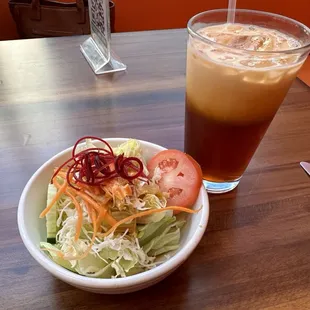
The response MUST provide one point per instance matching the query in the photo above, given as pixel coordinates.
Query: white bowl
(32, 231)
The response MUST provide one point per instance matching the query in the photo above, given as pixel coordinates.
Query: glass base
(220, 187)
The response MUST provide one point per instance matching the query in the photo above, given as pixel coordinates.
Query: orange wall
(134, 15)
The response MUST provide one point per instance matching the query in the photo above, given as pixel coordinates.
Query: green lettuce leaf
(165, 249)
(94, 266)
(149, 231)
(108, 254)
(90, 266)
(129, 148)
(161, 237)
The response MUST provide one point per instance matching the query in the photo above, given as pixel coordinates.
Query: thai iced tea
(232, 96)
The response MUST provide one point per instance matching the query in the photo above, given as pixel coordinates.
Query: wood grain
(256, 252)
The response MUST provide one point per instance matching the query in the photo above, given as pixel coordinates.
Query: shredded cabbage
(119, 255)
(129, 148)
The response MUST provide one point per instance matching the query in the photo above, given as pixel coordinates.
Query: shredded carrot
(121, 191)
(60, 191)
(96, 190)
(79, 210)
(56, 168)
(87, 198)
(106, 192)
(92, 214)
(89, 210)
(115, 189)
(92, 189)
(127, 190)
(94, 204)
(148, 212)
(101, 216)
(63, 170)
(101, 200)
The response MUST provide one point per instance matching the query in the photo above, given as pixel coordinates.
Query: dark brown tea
(223, 150)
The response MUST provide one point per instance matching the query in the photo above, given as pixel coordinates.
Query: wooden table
(256, 252)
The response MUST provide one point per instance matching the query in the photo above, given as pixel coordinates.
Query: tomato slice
(181, 176)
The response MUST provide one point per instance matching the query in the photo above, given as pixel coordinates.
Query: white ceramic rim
(79, 280)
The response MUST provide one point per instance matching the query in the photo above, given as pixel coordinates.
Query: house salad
(111, 214)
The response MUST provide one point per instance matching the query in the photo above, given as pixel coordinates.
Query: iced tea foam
(238, 76)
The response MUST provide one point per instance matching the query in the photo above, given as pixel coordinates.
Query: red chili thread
(93, 166)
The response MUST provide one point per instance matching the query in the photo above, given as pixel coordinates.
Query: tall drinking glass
(236, 78)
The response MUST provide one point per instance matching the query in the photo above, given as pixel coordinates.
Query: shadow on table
(172, 291)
